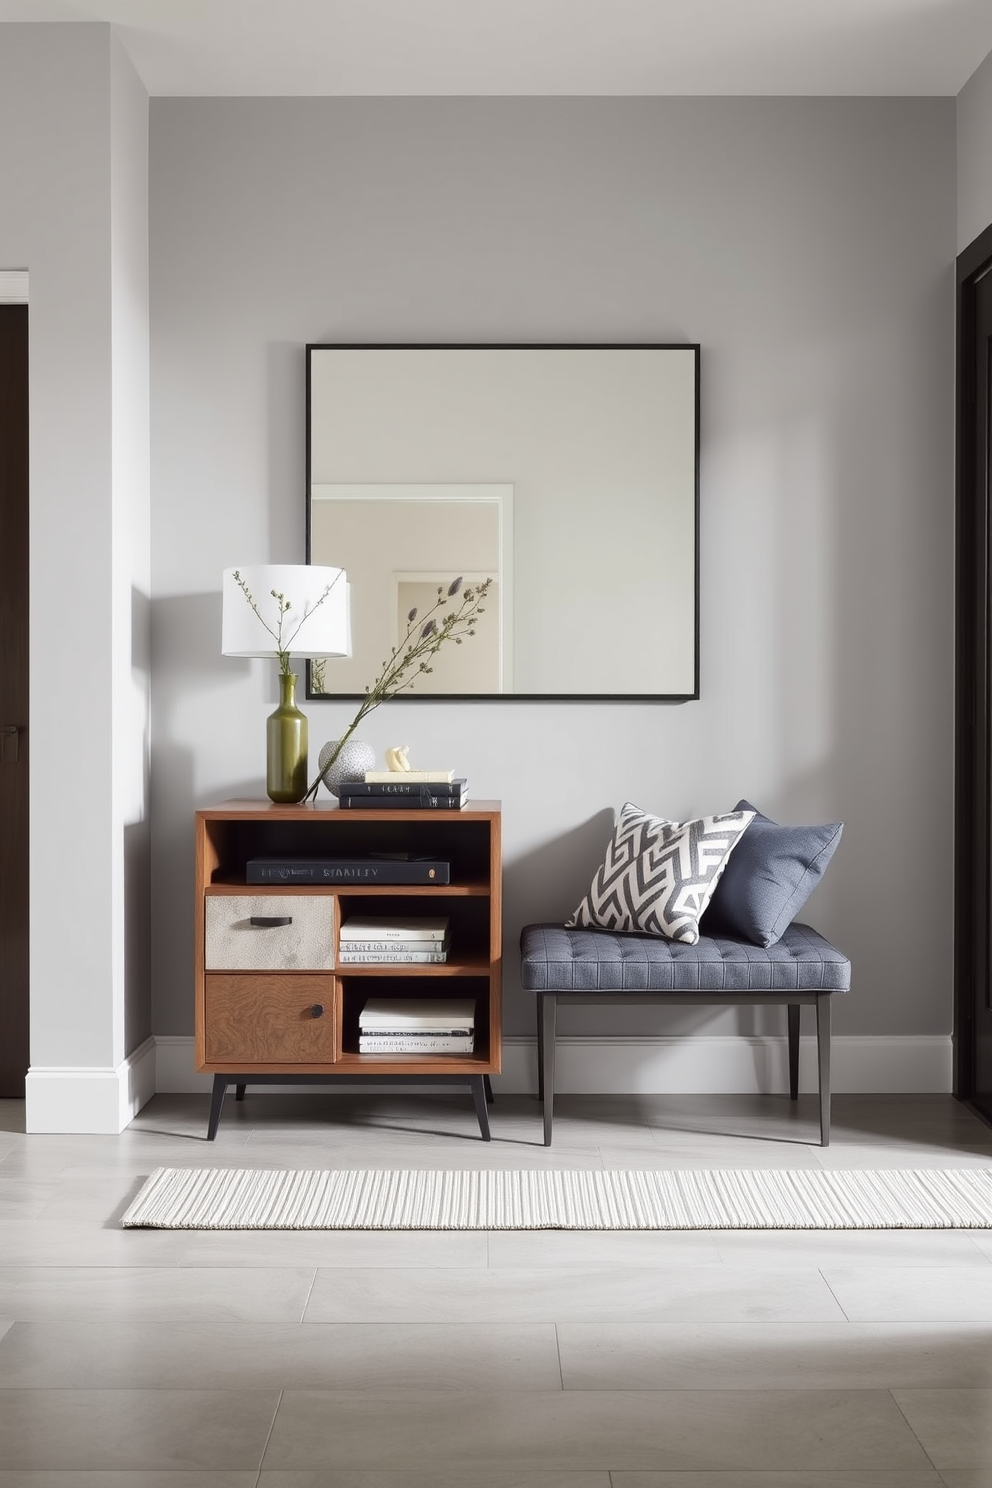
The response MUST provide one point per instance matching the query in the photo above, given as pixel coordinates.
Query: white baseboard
(96, 1101)
(103, 1100)
(704, 1065)
(699, 1065)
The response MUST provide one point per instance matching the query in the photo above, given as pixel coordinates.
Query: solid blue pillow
(768, 878)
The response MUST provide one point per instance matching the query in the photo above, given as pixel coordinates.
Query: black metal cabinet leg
(549, 1008)
(217, 1101)
(479, 1096)
(239, 1092)
(793, 1011)
(488, 1085)
(823, 1060)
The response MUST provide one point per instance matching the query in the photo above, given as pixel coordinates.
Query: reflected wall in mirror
(569, 475)
(399, 545)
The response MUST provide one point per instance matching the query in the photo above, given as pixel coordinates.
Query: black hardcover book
(403, 787)
(373, 869)
(425, 800)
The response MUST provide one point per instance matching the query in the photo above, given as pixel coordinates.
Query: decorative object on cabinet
(277, 1004)
(344, 760)
(281, 611)
(412, 655)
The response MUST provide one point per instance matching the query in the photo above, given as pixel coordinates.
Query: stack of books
(402, 1025)
(389, 790)
(420, 939)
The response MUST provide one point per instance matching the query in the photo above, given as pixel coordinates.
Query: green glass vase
(286, 746)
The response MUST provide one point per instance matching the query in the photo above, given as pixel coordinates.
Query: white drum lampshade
(318, 622)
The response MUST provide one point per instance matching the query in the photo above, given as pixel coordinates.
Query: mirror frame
(523, 697)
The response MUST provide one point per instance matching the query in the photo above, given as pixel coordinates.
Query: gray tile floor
(151, 1359)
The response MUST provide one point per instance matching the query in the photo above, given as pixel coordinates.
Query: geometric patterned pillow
(658, 875)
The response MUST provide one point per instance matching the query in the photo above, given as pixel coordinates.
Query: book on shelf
(397, 947)
(395, 927)
(404, 1033)
(417, 1014)
(401, 785)
(414, 777)
(416, 1044)
(424, 801)
(373, 868)
(351, 955)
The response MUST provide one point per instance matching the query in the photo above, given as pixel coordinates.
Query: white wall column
(73, 199)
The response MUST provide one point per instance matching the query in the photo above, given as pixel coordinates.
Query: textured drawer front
(233, 943)
(261, 1019)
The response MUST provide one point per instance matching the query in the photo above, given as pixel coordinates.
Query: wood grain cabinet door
(266, 1020)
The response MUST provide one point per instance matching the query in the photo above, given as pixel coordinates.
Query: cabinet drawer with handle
(268, 1020)
(269, 932)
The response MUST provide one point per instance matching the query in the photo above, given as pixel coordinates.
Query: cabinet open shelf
(273, 998)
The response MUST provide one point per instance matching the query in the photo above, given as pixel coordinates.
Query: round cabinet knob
(317, 1011)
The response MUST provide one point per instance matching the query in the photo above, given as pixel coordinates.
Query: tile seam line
(891, 1393)
(268, 1437)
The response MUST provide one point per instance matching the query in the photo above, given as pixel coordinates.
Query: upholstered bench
(613, 968)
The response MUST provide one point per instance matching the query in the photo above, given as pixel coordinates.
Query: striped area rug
(440, 1199)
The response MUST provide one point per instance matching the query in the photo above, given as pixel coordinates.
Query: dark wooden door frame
(14, 948)
(973, 692)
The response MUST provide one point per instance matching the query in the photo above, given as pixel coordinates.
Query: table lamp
(286, 610)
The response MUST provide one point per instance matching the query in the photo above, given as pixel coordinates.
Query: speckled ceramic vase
(352, 762)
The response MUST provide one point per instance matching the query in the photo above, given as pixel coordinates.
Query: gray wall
(974, 129)
(808, 246)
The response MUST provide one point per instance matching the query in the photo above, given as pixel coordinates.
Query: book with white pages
(352, 955)
(409, 777)
(416, 1044)
(396, 945)
(396, 1014)
(395, 927)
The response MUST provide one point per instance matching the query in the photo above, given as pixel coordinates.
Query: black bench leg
(823, 1060)
(539, 1004)
(793, 1011)
(239, 1092)
(487, 1085)
(548, 1007)
(217, 1101)
(479, 1096)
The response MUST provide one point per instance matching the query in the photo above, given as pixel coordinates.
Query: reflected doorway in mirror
(405, 544)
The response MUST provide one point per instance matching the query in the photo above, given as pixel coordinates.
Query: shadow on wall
(189, 723)
(545, 884)
(137, 844)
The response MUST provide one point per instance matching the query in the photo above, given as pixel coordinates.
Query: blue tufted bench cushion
(554, 959)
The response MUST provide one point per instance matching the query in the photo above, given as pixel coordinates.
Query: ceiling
(231, 48)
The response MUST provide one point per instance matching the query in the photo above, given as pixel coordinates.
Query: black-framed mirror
(568, 475)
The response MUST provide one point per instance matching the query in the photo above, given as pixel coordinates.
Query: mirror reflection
(399, 545)
(568, 475)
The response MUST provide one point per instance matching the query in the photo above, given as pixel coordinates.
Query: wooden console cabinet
(273, 1004)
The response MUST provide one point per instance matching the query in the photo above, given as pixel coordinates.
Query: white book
(395, 927)
(395, 945)
(411, 777)
(423, 1013)
(416, 1033)
(442, 1044)
(395, 958)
